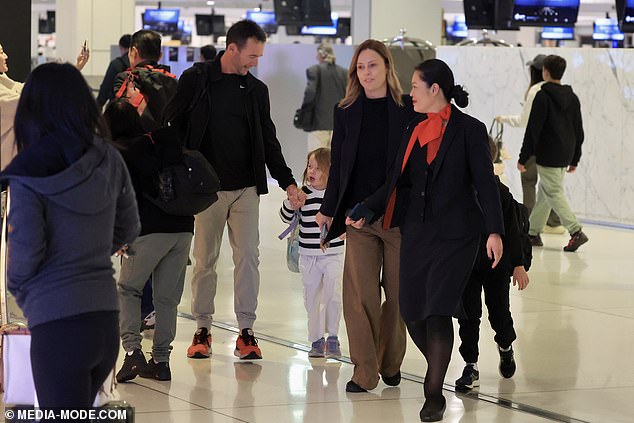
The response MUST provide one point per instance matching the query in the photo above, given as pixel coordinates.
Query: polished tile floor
(575, 325)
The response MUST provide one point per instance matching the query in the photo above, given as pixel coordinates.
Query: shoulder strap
(3, 262)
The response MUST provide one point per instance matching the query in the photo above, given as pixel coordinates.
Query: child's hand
(520, 278)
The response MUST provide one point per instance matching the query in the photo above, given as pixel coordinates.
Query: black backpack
(521, 216)
(186, 184)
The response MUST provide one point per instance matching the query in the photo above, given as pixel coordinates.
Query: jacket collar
(449, 136)
(215, 72)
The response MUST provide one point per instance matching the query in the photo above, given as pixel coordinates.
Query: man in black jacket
(116, 66)
(554, 135)
(223, 111)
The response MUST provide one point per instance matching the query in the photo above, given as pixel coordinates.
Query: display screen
(164, 21)
(607, 29)
(459, 28)
(266, 20)
(322, 30)
(545, 12)
(626, 19)
(210, 25)
(558, 33)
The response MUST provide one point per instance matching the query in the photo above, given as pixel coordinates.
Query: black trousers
(496, 285)
(71, 358)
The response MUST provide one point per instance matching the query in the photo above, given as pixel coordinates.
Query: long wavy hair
(354, 87)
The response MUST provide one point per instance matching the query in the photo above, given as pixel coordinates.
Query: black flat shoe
(393, 380)
(353, 387)
(433, 410)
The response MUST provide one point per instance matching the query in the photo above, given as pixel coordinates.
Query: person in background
(496, 286)
(368, 125)
(116, 66)
(443, 197)
(207, 53)
(230, 124)
(161, 250)
(9, 95)
(529, 178)
(554, 135)
(320, 265)
(325, 87)
(72, 207)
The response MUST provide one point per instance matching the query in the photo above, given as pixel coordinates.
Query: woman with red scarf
(443, 196)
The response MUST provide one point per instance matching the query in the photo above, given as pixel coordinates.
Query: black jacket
(116, 66)
(190, 111)
(144, 159)
(513, 255)
(345, 141)
(465, 199)
(554, 132)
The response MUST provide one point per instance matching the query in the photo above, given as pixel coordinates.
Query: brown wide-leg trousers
(376, 331)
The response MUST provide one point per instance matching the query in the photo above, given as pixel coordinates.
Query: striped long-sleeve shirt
(309, 234)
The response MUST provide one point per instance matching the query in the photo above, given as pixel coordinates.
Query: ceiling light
(211, 3)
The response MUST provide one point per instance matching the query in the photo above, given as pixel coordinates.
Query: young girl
(320, 268)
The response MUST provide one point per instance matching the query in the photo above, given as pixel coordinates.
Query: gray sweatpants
(164, 256)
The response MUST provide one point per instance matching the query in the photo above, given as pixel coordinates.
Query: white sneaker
(556, 230)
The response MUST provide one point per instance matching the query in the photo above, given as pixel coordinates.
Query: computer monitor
(344, 27)
(266, 20)
(625, 15)
(322, 30)
(210, 25)
(218, 27)
(316, 12)
(288, 12)
(489, 14)
(545, 12)
(607, 29)
(458, 29)
(164, 21)
(557, 33)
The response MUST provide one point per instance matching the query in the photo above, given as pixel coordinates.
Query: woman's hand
(122, 252)
(83, 57)
(494, 249)
(322, 220)
(520, 277)
(358, 224)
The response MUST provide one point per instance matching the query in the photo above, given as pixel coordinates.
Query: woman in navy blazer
(368, 124)
(443, 196)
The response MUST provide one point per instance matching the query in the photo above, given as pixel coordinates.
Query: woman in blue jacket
(72, 207)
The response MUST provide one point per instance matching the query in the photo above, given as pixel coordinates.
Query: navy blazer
(464, 195)
(345, 141)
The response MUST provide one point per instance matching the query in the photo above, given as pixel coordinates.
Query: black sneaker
(132, 366)
(507, 363)
(576, 240)
(470, 379)
(536, 240)
(158, 371)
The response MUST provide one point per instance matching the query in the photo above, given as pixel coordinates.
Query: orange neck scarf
(428, 133)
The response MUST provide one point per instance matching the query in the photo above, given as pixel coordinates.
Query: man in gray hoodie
(554, 135)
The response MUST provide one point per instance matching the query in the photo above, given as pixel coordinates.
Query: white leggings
(321, 276)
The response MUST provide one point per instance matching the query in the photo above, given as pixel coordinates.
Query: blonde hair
(322, 157)
(353, 89)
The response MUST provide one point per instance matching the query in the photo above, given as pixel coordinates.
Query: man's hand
(494, 249)
(571, 169)
(521, 167)
(520, 278)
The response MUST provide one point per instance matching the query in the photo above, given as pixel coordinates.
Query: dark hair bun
(460, 96)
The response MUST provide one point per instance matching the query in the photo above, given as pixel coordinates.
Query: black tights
(434, 338)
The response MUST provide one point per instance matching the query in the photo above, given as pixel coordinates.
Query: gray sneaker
(333, 348)
(317, 348)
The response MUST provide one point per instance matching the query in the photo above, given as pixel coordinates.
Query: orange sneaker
(201, 344)
(247, 346)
